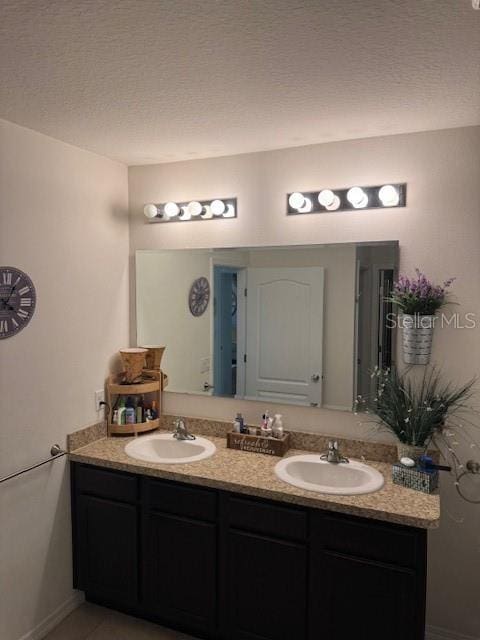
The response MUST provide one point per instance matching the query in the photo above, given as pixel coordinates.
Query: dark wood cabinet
(107, 562)
(232, 567)
(180, 570)
(267, 588)
(367, 579)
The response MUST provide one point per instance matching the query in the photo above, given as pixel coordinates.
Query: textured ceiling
(146, 81)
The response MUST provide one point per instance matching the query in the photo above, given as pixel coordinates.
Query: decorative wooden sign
(258, 444)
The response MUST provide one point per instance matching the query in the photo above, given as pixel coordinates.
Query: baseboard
(436, 633)
(51, 621)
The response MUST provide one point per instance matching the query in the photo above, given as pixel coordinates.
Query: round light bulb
(171, 209)
(326, 197)
(207, 213)
(184, 215)
(329, 200)
(150, 211)
(296, 200)
(389, 196)
(194, 208)
(217, 207)
(230, 212)
(357, 197)
(307, 206)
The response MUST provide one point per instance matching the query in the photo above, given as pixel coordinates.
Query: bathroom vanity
(182, 548)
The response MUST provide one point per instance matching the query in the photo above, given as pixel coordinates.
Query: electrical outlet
(99, 397)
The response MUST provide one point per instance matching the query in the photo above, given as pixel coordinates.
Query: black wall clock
(199, 296)
(17, 301)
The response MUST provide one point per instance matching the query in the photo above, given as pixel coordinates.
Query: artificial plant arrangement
(418, 300)
(421, 412)
(419, 296)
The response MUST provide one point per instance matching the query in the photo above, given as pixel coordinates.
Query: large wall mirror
(301, 325)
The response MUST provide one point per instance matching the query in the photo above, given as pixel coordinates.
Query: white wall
(438, 231)
(163, 317)
(63, 220)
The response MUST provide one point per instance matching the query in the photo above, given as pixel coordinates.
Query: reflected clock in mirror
(199, 297)
(300, 325)
(17, 301)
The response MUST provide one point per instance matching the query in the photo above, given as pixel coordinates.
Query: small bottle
(239, 418)
(121, 418)
(115, 416)
(237, 426)
(277, 428)
(140, 411)
(154, 410)
(130, 411)
(267, 428)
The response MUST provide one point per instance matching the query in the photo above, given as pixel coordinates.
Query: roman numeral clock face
(17, 301)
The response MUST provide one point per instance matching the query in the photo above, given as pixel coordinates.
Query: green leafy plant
(415, 410)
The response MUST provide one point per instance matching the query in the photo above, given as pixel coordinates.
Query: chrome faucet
(333, 454)
(181, 431)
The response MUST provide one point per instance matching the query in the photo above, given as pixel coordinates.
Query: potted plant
(418, 299)
(416, 410)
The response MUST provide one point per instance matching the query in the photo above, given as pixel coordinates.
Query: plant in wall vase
(418, 300)
(418, 411)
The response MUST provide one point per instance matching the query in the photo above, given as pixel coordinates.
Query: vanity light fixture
(348, 199)
(192, 210)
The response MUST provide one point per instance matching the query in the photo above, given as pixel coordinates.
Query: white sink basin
(164, 448)
(312, 473)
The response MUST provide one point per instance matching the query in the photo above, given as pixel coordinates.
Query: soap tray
(258, 444)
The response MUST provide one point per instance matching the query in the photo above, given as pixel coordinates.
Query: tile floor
(90, 622)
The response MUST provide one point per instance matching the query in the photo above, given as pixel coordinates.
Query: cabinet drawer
(381, 542)
(106, 484)
(181, 499)
(268, 519)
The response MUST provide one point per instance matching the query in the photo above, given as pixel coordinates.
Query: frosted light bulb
(217, 207)
(194, 208)
(185, 215)
(328, 200)
(357, 197)
(150, 211)
(296, 200)
(171, 209)
(207, 214)
(230, 212)
(307, 206)
(389, 196)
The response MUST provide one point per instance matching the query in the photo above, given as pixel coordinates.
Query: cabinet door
(266, 581)
(355, 598)
(107, 544)
(180, 570)
(367, 579)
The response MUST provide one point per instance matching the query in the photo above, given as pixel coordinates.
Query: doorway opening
(225, 337)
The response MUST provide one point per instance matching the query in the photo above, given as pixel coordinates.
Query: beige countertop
(253, 474)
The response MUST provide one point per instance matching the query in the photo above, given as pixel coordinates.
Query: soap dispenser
(277, 428)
